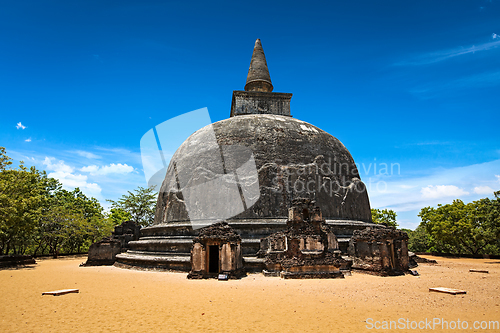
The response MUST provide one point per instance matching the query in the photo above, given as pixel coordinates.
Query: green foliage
(37, 216)
(5, 160)
(24, 195)
(140, 205)
(72, 222)
(384, 216)
(118, 216)
(418, 240)
(59, 227)
(463, 228)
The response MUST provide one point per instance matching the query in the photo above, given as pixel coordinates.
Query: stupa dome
(246, 171)
(292, 159)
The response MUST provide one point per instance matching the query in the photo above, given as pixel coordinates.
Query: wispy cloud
(121, 154)
(96, 57)
(438, 56)
(435, 89)
(427, 143)
(28, 140)
(20, 126)
(87, 154)
(108, 169)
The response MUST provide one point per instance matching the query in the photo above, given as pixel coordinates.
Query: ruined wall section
(382, 251)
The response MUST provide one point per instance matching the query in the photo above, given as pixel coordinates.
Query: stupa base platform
(168, 246)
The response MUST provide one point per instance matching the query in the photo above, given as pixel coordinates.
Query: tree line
(456, 228)
(38, 216)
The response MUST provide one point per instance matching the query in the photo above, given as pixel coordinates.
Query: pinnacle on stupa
(258, 78)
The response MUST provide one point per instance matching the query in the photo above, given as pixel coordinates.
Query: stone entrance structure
(217, 249)
(293, 159)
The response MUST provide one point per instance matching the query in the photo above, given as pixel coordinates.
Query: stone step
(190, 237)
(168, 262)
(253, 264)
(252, 259)
(343, 239)
(174, 261)
(160, 254)
(183, 239)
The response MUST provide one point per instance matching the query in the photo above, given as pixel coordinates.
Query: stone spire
(258, 97)
(258, 78)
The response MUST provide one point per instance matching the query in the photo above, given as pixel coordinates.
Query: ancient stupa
(290, 158)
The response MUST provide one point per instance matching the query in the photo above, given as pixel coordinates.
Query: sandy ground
(120, 300)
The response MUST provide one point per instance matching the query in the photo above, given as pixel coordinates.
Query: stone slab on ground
(448, 290)
(61, 292)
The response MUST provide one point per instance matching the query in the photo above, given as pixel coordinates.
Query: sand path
(120, 300)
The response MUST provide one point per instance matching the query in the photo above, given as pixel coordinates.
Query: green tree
(36, 214)
(60, 226)
(419, 240)
(464, 228)
(24, 194)
(5, 160)
(73, 210)
(140, 204)
(384, 216)
(118, 216)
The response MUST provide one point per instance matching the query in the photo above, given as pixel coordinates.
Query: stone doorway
(213, 259)
(216, 249)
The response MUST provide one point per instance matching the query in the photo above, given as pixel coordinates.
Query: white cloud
(28, 140)
(498, 178)
(494, 36)
(442, 191)
(483, 190)
(70, 180)
(59, 166)
(108, 169)
(116, 168)
(91, 169)
(64, 173)
(87, 154)
(20, 126)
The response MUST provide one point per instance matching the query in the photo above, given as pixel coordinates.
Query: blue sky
(409, 83)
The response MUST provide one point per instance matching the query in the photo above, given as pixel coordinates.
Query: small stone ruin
(14, 260)
(308, 248)
(104, 252)
(381, 252)
(216, 250)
